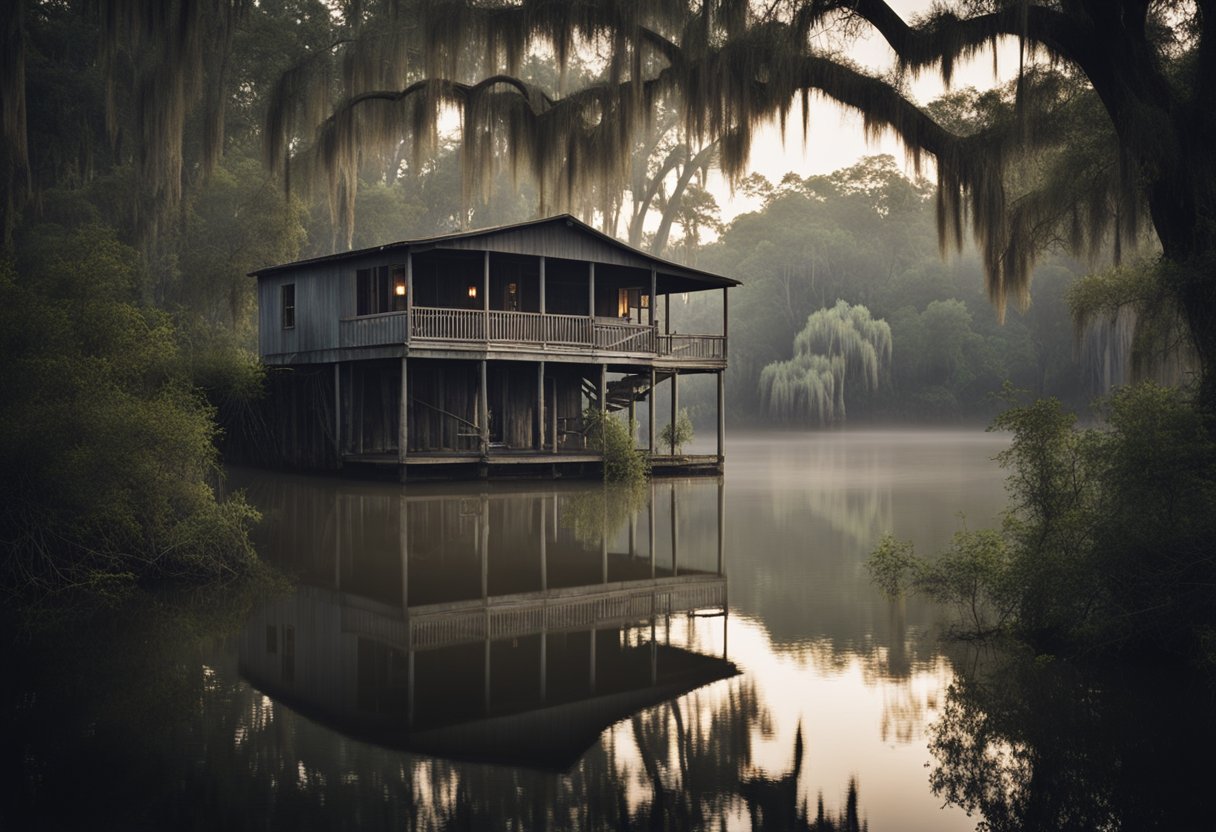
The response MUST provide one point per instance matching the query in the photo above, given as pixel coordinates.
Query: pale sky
(836, 139)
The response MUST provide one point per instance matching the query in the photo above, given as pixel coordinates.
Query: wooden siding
(374, 330)
(319, 303)
(550, 240)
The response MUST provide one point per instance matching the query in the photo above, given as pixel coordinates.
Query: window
(288, 666)
(380, 290)
(289, 306)
(628, 300)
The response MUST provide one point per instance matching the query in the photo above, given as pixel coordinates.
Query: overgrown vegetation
(623, 461)
(676, 436)
(106, 445)
(1106, 544)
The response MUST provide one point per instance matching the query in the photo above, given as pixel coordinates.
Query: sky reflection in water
(317, 710)
(820, 652)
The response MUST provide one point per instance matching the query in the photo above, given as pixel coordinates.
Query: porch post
(485, 284)
(667, 312)
(650, 417)
(350, 409)
(361, 389)
(654, 301)
(540, 405)
(338, 413)
(591, 291)
(725, 315)
(553, 420)
(542, 284)
(675, 407)
(483, 415)
(409, 293)
(603, 391)
(721, 415)
(403, 420)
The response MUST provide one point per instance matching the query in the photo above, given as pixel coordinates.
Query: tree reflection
(694, 757)
(1031, 743)
(593, 514)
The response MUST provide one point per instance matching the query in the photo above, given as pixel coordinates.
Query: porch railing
(448, 324)
(709, 347)
(427, 323)
(623, 337)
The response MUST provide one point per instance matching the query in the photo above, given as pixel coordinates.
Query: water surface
(699, 653)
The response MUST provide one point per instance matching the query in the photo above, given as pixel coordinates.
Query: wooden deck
(504, 462)
(426, 329)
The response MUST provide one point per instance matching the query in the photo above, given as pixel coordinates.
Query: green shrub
(106, 446)
(1107, 538)
(680, 435)
(623, 462)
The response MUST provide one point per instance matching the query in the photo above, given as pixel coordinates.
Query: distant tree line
(864, 235)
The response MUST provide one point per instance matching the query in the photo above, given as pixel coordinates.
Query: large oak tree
(1140, 72)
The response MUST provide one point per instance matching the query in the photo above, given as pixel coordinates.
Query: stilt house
(479, 349)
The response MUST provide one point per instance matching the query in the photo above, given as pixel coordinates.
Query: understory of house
(458, 417)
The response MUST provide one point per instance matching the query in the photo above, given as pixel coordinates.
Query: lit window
(379, 290)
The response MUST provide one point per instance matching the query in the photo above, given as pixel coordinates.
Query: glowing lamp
(472, 290)
(400, 290)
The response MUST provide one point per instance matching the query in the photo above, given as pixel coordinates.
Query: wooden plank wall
(292, 426)
(551, 240)
(449, 386)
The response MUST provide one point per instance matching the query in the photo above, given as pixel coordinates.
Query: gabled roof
(560, 236)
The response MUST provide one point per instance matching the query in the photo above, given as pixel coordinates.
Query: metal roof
(665, 267)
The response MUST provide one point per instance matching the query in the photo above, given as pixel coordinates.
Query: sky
(836, 139)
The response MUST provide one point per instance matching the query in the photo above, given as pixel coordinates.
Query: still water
(700, 653)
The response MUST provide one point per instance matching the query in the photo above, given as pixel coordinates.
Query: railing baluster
(577, 331)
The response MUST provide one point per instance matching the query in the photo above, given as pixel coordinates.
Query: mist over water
(696, 653)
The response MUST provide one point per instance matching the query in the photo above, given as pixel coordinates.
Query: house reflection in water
(503, 626)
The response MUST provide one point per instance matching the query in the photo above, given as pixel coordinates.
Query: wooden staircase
(622, 391)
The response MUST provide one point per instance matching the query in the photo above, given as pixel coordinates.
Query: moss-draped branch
(732, 67)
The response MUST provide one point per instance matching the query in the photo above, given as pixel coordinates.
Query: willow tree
(838, 344)
(734, 65)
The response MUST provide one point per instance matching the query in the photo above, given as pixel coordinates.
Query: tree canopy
(1129, 73)
(837, 344)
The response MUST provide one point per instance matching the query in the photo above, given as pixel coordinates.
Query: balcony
(435, 326)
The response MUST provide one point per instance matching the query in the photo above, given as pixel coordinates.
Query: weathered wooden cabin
(479, 350)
